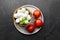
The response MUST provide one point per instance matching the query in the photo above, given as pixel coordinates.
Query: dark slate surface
(50, 30)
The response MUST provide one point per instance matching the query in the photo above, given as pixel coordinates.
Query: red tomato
(30, 28)
(37, 13)
(38, 23)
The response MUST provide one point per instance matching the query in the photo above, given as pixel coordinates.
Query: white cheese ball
(15, 15)
(24, 15)
(28, 17)
(26, 12)
(23, 9)
(20, 15)
(19, 11)
(17, 20)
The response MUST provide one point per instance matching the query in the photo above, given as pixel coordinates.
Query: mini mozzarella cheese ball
(23, 9)
(15, 15)
(19, 15)
(24, 15)
(19, 11)
(28, 17)
(17, 20)
(26, 12)
(26, 22)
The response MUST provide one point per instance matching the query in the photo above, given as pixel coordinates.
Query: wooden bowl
(14, 19)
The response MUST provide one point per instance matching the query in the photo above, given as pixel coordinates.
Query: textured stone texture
(51, 12)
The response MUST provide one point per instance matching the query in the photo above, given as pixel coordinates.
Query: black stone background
(51, 12)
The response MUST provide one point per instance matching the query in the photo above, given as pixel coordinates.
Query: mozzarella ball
(17, 20)
(15, 15)
(19, 11)
(18, 15)
(23, 9)
(26, 12)
(25, 15)
(28, 17)
(22, 14)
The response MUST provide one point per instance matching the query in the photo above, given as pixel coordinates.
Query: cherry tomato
(38, 23)
(37, 13)
(30, 28)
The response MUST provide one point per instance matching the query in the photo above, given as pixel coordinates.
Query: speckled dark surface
(51, 12)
